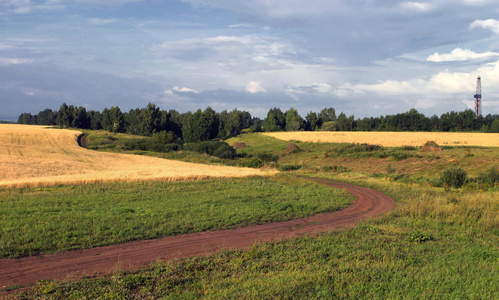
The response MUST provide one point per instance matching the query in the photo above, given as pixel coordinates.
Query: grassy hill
(438, 243)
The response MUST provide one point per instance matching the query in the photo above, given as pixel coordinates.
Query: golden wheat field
(392, 139)
(41, 156)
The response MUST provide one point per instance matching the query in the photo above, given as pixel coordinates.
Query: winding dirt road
(103, 260)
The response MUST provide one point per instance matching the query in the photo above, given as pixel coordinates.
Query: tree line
(205, 125)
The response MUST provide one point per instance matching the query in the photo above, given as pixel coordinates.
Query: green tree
(65, 116)
(95, 119)
(329, 126)
(132, 121)
(46, 117)
(326, 115)
(275, 120)
(311, 121)
(200, 126)
(494, 127)
(344, 123)
(149, 120)
(80, 118)
(294, 122)
(26, 118)
(113, 119)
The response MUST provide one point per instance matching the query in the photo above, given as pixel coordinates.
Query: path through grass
(62, 218)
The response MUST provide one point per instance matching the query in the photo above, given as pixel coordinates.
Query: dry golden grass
(392, 139)
(41, 156)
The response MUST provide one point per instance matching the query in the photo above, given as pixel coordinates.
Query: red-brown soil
(104, 260)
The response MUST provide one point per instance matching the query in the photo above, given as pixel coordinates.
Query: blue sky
(362, 57)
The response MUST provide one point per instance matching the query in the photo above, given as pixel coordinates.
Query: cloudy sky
(362, 57)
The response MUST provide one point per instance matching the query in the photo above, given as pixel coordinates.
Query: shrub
(490, 178)
(267, 157)
(454, 177)
(289, 167)
(419, 237)
(151, 145)
(334, 169)
(213, 148)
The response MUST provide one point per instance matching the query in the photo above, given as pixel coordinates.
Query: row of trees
(175, 127)
(412, 120)
(205, 125)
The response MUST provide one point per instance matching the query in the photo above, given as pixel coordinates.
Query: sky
(365, 58)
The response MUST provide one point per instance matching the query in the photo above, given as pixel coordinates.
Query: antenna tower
(478, 97)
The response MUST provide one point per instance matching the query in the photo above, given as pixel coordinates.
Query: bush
(289, 167)
(267, 157)
(151, 145)
(213, 148)
(334, 169)
(490, 178)
(454, 177)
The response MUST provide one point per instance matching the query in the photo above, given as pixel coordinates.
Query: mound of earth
(431, 146)
(291, 148)
(237, 145)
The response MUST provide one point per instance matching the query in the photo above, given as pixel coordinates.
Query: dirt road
(102, 260)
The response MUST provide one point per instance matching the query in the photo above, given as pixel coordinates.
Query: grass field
(40, 156)
(403, 161)
(435, 244)
(53, 219)
(392, 139)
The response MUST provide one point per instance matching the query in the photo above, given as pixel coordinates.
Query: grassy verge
(434, 245)
(74, 217)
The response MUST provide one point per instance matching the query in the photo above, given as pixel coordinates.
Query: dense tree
(80, 118)
(113, 119)
(293, 120)
(494, 127)
(64, 116)
(95, 119)
(326, 115)
(200, 126)
(311, 121)
(132, 121)
(149, 120)
(366, 124)
(27, 118)
(275, 120)
(232, 124)
(345, 123)
(46, 117)
(207, 125)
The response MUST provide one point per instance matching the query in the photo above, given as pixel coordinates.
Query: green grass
(74, 217)
(434, 245)
(407, 163)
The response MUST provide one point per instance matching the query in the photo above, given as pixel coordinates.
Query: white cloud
(176, 90)
(14, 61)
(490, 24)
(418, 6)
(323, 87)
(459, 54)
(255, 87)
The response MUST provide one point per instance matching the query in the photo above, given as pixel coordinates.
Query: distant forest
(206, 125)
